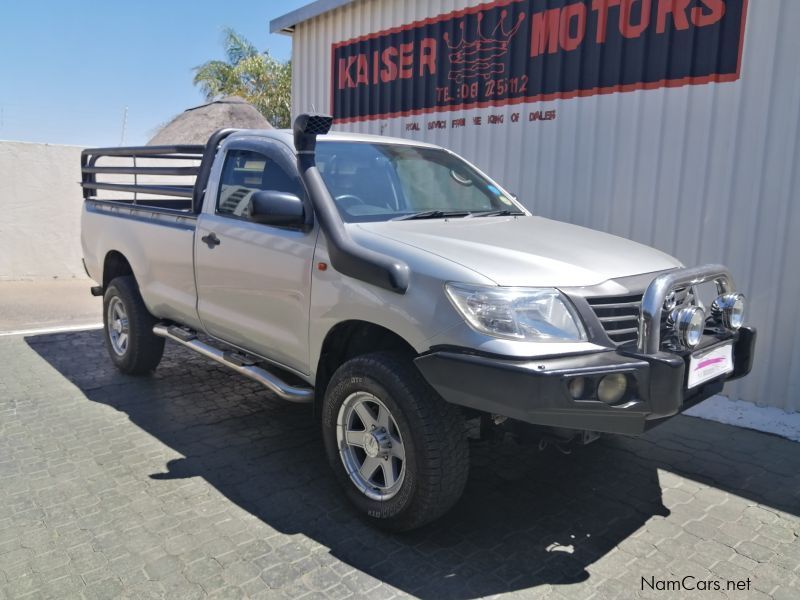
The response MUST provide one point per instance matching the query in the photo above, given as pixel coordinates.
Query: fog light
(612, 388)
(576, 387)
(689, 324)
(729, 309)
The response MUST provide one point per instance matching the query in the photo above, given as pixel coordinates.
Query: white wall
(708, 173)
(40, 210)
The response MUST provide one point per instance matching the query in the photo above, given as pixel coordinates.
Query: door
(254, 280)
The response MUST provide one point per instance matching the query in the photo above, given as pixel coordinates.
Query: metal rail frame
(90, 170)
(649, 341)
(204, 153)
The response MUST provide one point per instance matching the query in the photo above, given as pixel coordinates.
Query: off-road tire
(433, 432)
(144, 348)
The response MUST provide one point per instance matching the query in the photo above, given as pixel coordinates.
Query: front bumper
(535, 390)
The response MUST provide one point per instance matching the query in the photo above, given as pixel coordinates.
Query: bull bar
(649, 341)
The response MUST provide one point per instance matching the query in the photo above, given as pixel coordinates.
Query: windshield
(378, 182)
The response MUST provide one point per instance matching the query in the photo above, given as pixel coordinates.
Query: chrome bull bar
(649, 341)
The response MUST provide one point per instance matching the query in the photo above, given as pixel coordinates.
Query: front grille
(619, 315)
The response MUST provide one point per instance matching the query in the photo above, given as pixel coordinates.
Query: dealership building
(671, 122)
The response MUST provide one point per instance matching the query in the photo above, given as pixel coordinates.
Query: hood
(527, 251)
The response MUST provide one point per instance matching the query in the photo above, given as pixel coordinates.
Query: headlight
(529, 314)
(729, 309)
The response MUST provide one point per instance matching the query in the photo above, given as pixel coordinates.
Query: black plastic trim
(206, 164)
(743, 352)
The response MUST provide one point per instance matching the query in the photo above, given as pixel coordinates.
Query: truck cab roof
(287, 137)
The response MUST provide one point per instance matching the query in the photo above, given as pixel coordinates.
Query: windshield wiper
(432, 214)
(501, 212)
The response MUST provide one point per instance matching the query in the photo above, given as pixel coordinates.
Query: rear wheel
(133, 347)
(397, 448)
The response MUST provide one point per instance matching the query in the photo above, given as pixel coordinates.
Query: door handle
(211, 239)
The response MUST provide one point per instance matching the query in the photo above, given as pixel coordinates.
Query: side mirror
(282, 209)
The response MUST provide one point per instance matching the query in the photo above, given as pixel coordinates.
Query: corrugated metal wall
(708, 173)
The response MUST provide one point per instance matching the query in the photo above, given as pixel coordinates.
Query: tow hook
(559, 444)
(565, 445)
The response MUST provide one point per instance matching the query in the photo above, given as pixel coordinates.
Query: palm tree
(255, 76)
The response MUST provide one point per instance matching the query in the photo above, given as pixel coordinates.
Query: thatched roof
(195, 125)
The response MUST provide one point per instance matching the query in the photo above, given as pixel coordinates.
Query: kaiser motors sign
(513, 51)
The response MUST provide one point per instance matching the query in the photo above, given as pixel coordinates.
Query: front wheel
(131, 343)
(397, 448)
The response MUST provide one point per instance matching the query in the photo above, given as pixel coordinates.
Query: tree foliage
(256, 76)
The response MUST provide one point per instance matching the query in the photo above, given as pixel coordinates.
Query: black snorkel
(346, 255)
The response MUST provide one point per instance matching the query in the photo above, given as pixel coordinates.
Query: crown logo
(481, 56)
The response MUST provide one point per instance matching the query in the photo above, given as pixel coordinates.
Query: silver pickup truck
(401, 291)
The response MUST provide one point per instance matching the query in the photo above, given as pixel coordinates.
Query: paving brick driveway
(195, 482)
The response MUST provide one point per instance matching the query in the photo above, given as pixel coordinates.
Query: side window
(246, 172)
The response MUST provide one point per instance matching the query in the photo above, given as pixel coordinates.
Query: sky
(69, 68)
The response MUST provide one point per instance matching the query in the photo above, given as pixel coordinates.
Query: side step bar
(233, 361)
